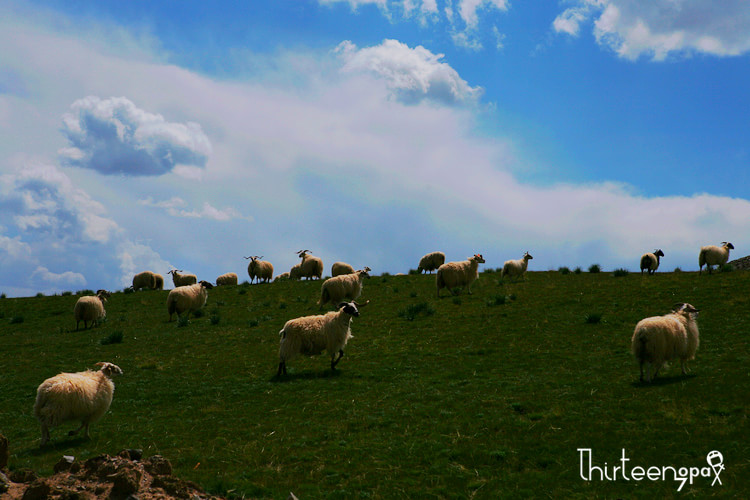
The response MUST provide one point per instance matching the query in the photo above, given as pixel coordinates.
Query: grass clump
(498, 300)
(14, 320)
(113, 338)
(595, 268)
(564, 270)
(621, 272)
(593, 318)
(412, 311)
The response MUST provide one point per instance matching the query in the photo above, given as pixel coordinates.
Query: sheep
(311, 266)
(182, 279)
(90, 308)
(712, 255)
(187, 298)
(339, 268)
(282, 277)
(310, 335)
(659, 339)
(650, 261)
(261, 269)
(145, 280)
(83, 396)
(431, 261)
(454, 274)
(227, 279)
(159, 282)
(345, 286)
(516, 268)
(295, 273)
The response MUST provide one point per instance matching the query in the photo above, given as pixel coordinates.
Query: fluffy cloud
(177, 207)
(412, 75)
(660, 28)
(113, 136)
(43, 277)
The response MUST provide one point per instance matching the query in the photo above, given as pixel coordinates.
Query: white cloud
(177, 207)
(47, 278)
(413, 75)
(660, 28)
(113, 136)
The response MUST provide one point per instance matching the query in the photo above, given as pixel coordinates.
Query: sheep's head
(109, 369)
(173, 272)
(103, 295)
(303, 253)
(364, 272)
(727, 245)
(477, 258)
(206, 284)
(527, 256)
(685, 309)
(659, 253)
(351, 308)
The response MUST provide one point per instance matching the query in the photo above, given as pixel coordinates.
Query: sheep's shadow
(661, 381)
(307, 375)
(65, 443)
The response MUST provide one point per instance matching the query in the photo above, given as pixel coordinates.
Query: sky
(160, 135)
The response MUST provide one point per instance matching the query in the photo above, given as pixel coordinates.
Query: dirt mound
(104, 476)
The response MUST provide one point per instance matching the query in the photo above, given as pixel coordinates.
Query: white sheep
(187, 298)
(182, 279)
(295, 273)
(83, 396)
(455, 274)
(159, 282)
(261, 269)
(90, 308)
(712, 255)
(650, 261)
(659, 339)
(282, 277)
(516, 268)
(431, 262)
(339, 268)
(311, 266)
(311, 335)
(144, 280)
(227, 279)
(345, 286)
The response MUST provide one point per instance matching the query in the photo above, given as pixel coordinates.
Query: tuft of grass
(595, 268)
(727, 268)
(619, 273)
(578, 270)
(411, 311)
(593, 318)
(14, 320)
(497, 300)
(215, 319)
(39, 295)
(113, 338)
(677, 270)
(563, 270)
(183, 321)
(67, 293)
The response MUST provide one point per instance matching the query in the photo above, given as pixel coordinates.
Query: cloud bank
(661, 28)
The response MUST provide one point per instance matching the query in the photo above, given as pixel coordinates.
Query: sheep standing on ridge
(339, 268)
(182, 279)
(282, 277)
(712, 255)
(261, 269)
(345, 286)
(455, 274)
(187, 298)
(311, 266)
(659, 339)
(650, 261)
(159, 282)
(311, 335)
(83, 396)
(90, 308)
(295, 273)
(227, 279)
(144, 280)
(516, 268)
(431, 261)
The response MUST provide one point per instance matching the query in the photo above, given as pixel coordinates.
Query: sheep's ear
(678, 307)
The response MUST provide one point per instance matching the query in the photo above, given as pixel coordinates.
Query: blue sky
(152, 135)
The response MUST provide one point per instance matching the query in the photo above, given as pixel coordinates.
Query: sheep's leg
(336, 361)
(85, 426)
(641, 365)
(282, 369)
(45, 435)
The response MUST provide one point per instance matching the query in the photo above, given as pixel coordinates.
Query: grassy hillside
(481, 395)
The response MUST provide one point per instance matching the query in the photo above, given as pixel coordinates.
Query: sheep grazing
(145, 280)
(455, 274)
(311, 335)
(187, 298)
(431, 262)
(712, 255)
(345, 286)
(339, 268)
(311, 266)
(83, 396)
(90, 308)
(295, 273)
(261, 269)
(227, 279)
(659, 339)
(650, 261)
(282, 277)
(182, 279)
(516, 268)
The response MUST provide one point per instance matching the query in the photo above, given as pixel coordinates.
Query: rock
(64, 464)
(4, 483)
(23, 476)
(131, 454)
(38, 490)
(125, 482)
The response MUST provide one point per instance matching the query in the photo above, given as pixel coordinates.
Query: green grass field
(488, 395)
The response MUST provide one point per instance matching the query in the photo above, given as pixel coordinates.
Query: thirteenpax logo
(682, 475)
